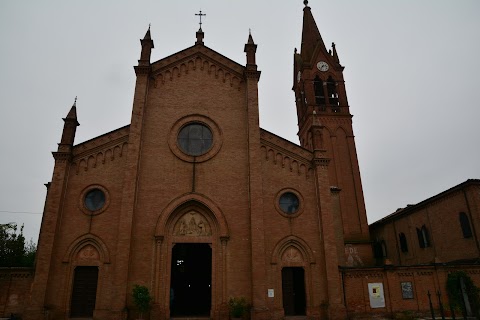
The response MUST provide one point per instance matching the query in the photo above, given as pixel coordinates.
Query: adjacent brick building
(441, 229)
(199, 204)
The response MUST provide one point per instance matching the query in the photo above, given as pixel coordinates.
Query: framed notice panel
(375, 293)
(407, 290)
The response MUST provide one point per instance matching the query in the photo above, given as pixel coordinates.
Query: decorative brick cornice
(197, 62)
(357, 274)
(141, 70)
(202, 52)
(252, 74)
(62, 156)
(99, 155)
(322, 162)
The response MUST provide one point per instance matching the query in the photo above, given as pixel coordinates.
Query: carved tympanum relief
(292, 255)
(192, 224)
(88, 252)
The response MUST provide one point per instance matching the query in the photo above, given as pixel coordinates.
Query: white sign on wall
(271, 293)
(375, 293)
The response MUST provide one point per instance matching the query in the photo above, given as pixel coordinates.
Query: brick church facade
(199, 204)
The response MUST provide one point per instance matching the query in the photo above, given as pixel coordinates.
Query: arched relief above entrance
(88, 252)
(87, 247)
(181, 209)
(292, 251)
(192, 224)
(292, 256)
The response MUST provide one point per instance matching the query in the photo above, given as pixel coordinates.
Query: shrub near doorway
(141, 298)
(454, 289)
(238, 308)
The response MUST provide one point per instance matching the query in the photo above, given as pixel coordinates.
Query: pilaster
(336, 307)
(130, 183)
(50, 223)
(259, 291)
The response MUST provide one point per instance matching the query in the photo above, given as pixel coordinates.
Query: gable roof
(197, 51)
(409, 209)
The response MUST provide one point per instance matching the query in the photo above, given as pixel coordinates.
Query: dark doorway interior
(293, 289)
(190, 287)
(84, 292)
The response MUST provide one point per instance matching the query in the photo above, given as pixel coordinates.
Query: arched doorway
(292, 260)
(191, 238)
(86, 257)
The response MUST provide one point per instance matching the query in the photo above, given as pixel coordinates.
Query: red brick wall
(423, 279)
(14, 290)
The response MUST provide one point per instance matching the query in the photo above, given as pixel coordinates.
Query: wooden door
(293, 291)
(84, 292)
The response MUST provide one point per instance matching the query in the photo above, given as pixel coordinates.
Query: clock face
(322, 66)
(299, 76)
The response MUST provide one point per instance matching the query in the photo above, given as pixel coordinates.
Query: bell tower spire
(325, 128)
(311, 38)
(318, 80)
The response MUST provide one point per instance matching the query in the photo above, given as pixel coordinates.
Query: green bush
(141, 298)
(238, 307)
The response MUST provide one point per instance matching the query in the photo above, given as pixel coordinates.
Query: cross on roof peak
(200, 15)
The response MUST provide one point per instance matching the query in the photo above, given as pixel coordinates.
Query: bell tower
(325, 128)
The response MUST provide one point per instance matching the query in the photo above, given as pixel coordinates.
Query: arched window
(403, 242)
(423, 237)
(384, 249)
(465, 224)
(380, 249)
(332, 92)
(318, 88)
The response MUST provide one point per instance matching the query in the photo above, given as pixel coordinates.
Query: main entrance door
(84, 292)
(191, 280)
(293, 289)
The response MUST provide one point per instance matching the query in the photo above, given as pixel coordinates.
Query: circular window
(195, 139)
(94, 200)
(289, 203)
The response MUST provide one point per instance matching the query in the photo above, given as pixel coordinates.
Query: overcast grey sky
(411, 72)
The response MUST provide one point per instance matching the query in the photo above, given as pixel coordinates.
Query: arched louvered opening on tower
(319, 93)
(332, 94)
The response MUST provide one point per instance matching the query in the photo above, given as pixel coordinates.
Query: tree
(14, 252)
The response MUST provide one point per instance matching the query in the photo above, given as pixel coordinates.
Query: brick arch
(295, 242)
(83, 241)
(341, 129)
(197, 202)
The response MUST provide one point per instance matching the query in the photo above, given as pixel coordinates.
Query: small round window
(195, 139)
(289, 203)
(94, 199)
